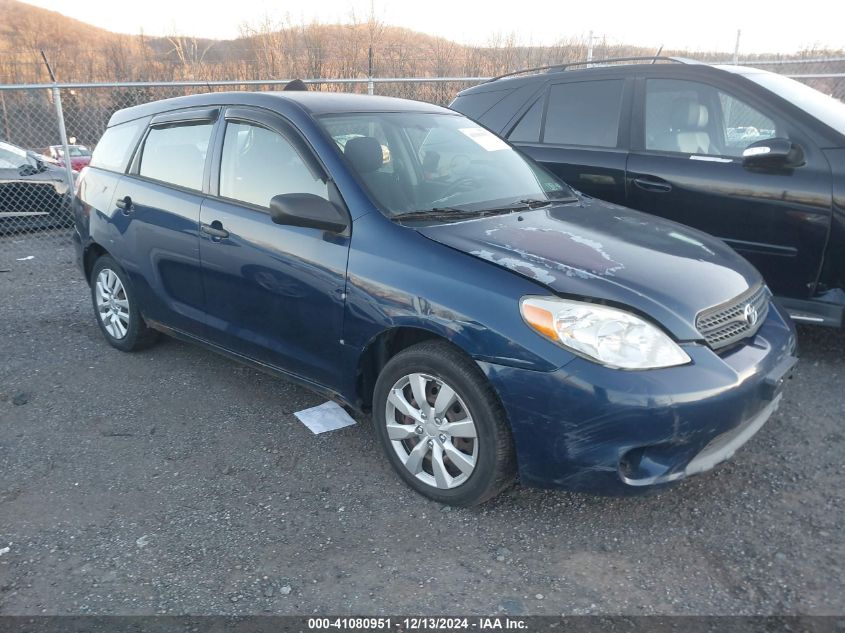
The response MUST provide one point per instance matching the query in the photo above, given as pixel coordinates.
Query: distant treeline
(79, 52)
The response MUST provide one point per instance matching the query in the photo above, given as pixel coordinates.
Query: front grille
(733, 321)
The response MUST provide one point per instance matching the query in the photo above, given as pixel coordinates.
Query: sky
(766, 26)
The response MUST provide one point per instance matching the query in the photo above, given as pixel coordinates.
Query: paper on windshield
(487, 140)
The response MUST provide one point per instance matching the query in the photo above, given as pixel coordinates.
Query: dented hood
(600, 250)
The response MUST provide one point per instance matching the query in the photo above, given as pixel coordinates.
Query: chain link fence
(36, 186)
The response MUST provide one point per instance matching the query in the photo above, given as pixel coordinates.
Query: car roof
(310, 102)
(509, 82)
(741, 70)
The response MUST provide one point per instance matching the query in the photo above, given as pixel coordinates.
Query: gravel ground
(175, 481)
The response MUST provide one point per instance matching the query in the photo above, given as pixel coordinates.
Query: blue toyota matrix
(406, 262)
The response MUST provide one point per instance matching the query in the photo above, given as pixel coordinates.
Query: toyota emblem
(750, 314)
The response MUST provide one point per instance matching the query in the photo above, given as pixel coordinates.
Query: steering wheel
(459, 163)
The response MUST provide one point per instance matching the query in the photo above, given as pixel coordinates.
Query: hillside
(81, 52)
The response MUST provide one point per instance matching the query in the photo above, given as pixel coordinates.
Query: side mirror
(773, 153)
(307, 210)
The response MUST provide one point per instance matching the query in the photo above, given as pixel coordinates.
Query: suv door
(686, 165)
(156, 217)
(273, 293)
(578, 129)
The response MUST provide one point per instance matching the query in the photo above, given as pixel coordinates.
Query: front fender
(398, 278)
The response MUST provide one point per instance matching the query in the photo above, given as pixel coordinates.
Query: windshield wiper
(455, 213)
(437, 213)
(534, 203)
(521, 205)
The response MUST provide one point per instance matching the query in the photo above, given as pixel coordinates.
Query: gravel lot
(175, 481)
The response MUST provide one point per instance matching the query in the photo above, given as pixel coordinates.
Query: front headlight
(610, 336)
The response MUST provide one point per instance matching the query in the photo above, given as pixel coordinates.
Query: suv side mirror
(307, 210)
(773, 153)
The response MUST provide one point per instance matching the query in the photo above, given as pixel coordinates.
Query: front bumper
(605, 431)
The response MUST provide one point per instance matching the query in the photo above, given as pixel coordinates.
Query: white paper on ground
(328, 416)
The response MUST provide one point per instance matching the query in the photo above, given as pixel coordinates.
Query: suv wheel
(117, 312)
(442, 426)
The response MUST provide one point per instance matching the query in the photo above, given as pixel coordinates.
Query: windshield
(826, 109)
(418, 162)
(12, 157)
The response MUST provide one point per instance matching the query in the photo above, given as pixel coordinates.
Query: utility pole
(590, 47)
(736, 48)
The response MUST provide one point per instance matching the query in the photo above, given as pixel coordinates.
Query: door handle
(124, 203)
(650, 183)
(215, 230)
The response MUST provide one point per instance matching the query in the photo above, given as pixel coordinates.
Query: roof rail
(595, 62)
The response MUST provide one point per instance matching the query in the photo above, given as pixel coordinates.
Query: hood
(599, 250)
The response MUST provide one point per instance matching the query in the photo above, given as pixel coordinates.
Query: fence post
(736, 48)
(370, 84)
(60, 116)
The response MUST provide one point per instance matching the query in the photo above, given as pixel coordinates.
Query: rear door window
(175, 154)
(584, 113)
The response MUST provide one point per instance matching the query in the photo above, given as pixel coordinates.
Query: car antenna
(657, 54)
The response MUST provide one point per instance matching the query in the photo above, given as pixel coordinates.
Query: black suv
(749, 156)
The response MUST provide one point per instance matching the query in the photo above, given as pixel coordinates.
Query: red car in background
(80, 155)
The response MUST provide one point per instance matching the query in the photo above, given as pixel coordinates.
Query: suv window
(115, 146)
(176, 154)
(258, 164)
(528, 128)
(584, 113)
(695, 118)
(477, 103)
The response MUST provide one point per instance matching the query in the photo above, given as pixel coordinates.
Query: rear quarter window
(475, 104)
(116, 146)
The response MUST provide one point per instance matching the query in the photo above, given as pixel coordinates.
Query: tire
(439, 458)
(120, 320)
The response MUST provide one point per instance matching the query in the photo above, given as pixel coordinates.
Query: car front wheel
(442, 426)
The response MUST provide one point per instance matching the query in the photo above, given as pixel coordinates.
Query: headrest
(689, 114)
(364, 152)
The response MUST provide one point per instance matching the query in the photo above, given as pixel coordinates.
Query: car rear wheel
(116, 310)
(442, 426)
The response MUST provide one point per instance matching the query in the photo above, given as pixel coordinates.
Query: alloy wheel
(112, 303)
